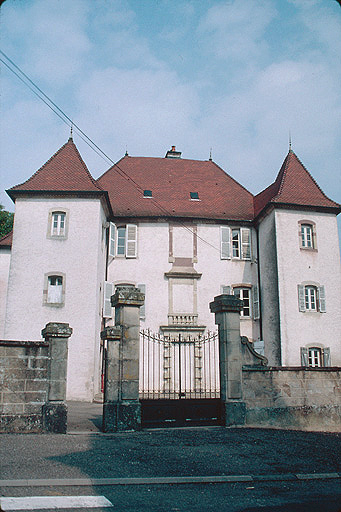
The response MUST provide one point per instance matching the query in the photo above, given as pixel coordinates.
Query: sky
(231, 76)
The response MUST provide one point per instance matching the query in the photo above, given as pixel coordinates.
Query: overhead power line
(28, 82)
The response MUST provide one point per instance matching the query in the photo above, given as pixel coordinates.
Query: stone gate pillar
(227, 316)
(122, 408)
(55, 410)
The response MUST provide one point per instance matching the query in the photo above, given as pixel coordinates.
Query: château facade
(183, 231)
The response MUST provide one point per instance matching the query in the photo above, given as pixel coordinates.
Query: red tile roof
(6, 241)
(64, 171)
(294, 185)
(171, 180)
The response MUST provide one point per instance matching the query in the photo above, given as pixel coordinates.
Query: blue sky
(235, 76)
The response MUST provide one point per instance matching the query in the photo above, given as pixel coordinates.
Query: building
(183, 231)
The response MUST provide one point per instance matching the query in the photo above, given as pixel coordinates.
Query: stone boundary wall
(293, 398)
(23, 385)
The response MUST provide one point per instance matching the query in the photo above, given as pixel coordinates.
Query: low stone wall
(23, 385)
(293, 398)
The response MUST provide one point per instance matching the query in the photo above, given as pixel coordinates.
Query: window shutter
(322, 299)
(142, 288)
(301, 298)
(246, 243)
(112, 239)
(304, 356)
(131, 241)
(326, 356)
(225, 290)
(225, 243)
(255, 299)
(108, 292)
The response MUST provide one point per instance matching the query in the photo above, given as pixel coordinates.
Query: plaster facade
(33, 256)
(181, 252)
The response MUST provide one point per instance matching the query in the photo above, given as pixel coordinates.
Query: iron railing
(175, 367)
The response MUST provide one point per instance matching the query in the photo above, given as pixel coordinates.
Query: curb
(82, 482)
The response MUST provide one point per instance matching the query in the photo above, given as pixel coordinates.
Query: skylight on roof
(194, 195)
(147, 193)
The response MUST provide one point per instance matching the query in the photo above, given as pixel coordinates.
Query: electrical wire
(67, 120)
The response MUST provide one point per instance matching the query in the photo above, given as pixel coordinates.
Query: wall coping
(21, 343)
(246, 368)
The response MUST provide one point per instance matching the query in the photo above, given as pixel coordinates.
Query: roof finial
(210, 155)
(71, 131)
(126, 153)
(290, 150)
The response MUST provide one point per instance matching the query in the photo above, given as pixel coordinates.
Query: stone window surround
(313, 230)
(57, 209)
(45, 289)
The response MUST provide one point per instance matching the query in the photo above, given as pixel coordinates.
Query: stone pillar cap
(56, 330)
(111, 333)
(228, 303)
(127, 296)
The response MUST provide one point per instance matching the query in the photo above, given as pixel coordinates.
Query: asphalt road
(271, 458)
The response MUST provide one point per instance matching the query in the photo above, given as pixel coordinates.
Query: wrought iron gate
(179, 379)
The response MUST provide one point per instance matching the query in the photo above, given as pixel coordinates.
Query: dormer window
(147, 193)
(194, 196)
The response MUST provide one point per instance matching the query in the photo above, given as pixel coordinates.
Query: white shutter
(246, 243)
(255, 300)
(225, 243)
(326, 356)
(322, 299)
(131, 241)
(301, 297)
(112, 239)
(304, 356)
(225, 290)
(142, 288)
(107, 293)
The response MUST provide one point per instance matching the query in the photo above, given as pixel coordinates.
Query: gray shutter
(304, 356)
(301, 297)
(225, 243)
(225, 290)
(131, 241)
(322, 299)
(255, 300)
(326, 356)
(246, 243)
(142, 288)
(112, 239)
(107, 293)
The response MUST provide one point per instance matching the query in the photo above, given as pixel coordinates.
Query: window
(194, 196)
(147, 193)
(123, 240)
(235, 243)
(307, 235)
(244, 295)
(315, 357)
(311, 298)
(57, 224)
(54, 289)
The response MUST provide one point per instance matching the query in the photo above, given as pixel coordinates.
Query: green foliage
(6, 221)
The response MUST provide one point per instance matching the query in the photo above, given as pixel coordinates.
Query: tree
(6, 221)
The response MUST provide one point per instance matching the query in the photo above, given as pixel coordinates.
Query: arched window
(307, 234)
(57, 224)
(54, 289)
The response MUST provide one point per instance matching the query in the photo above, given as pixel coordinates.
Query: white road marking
(53, 502)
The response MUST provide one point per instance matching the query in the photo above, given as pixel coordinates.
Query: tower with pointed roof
(58, 262)
(299, 265)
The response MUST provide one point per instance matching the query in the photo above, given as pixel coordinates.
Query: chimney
(172, 153)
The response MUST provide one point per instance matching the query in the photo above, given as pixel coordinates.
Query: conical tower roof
(294, 187)
(65, 171)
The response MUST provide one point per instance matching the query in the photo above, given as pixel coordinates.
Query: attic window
(194, 195)
(147, 193)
